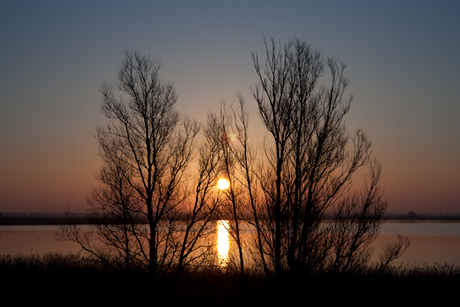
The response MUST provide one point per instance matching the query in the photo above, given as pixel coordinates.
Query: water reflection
(431, 242)
(223, 242)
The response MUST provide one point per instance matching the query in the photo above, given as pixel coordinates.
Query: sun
(223, 184)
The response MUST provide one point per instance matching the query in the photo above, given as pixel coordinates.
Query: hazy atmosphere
(403, 68)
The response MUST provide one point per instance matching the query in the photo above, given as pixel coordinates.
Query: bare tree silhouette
(146, 148)
(313, 220)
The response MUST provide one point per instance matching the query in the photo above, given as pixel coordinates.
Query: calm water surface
(431, 242)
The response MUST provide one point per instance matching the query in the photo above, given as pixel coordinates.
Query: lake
(431, 241)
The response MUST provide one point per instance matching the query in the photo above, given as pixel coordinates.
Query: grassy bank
(56, 278)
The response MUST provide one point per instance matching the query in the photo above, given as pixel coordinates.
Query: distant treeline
(411, 215)
(40, 219)
(82, 218)
(63, 219)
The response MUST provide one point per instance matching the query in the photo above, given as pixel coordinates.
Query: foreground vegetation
(72, 278)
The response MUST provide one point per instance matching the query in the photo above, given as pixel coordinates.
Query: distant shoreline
(11, 219)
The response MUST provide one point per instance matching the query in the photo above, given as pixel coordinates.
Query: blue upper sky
(403, 65)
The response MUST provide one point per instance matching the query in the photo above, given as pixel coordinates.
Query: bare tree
(230, 166)
(276, 106)
(312, 163)
(247, 175)
(146, 149)
(240, 166)
(204, 203)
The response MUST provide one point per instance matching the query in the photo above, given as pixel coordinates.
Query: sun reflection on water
(223, 242)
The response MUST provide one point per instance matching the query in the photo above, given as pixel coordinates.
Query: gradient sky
(403, 65)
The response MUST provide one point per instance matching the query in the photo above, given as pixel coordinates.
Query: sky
(403, 66)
